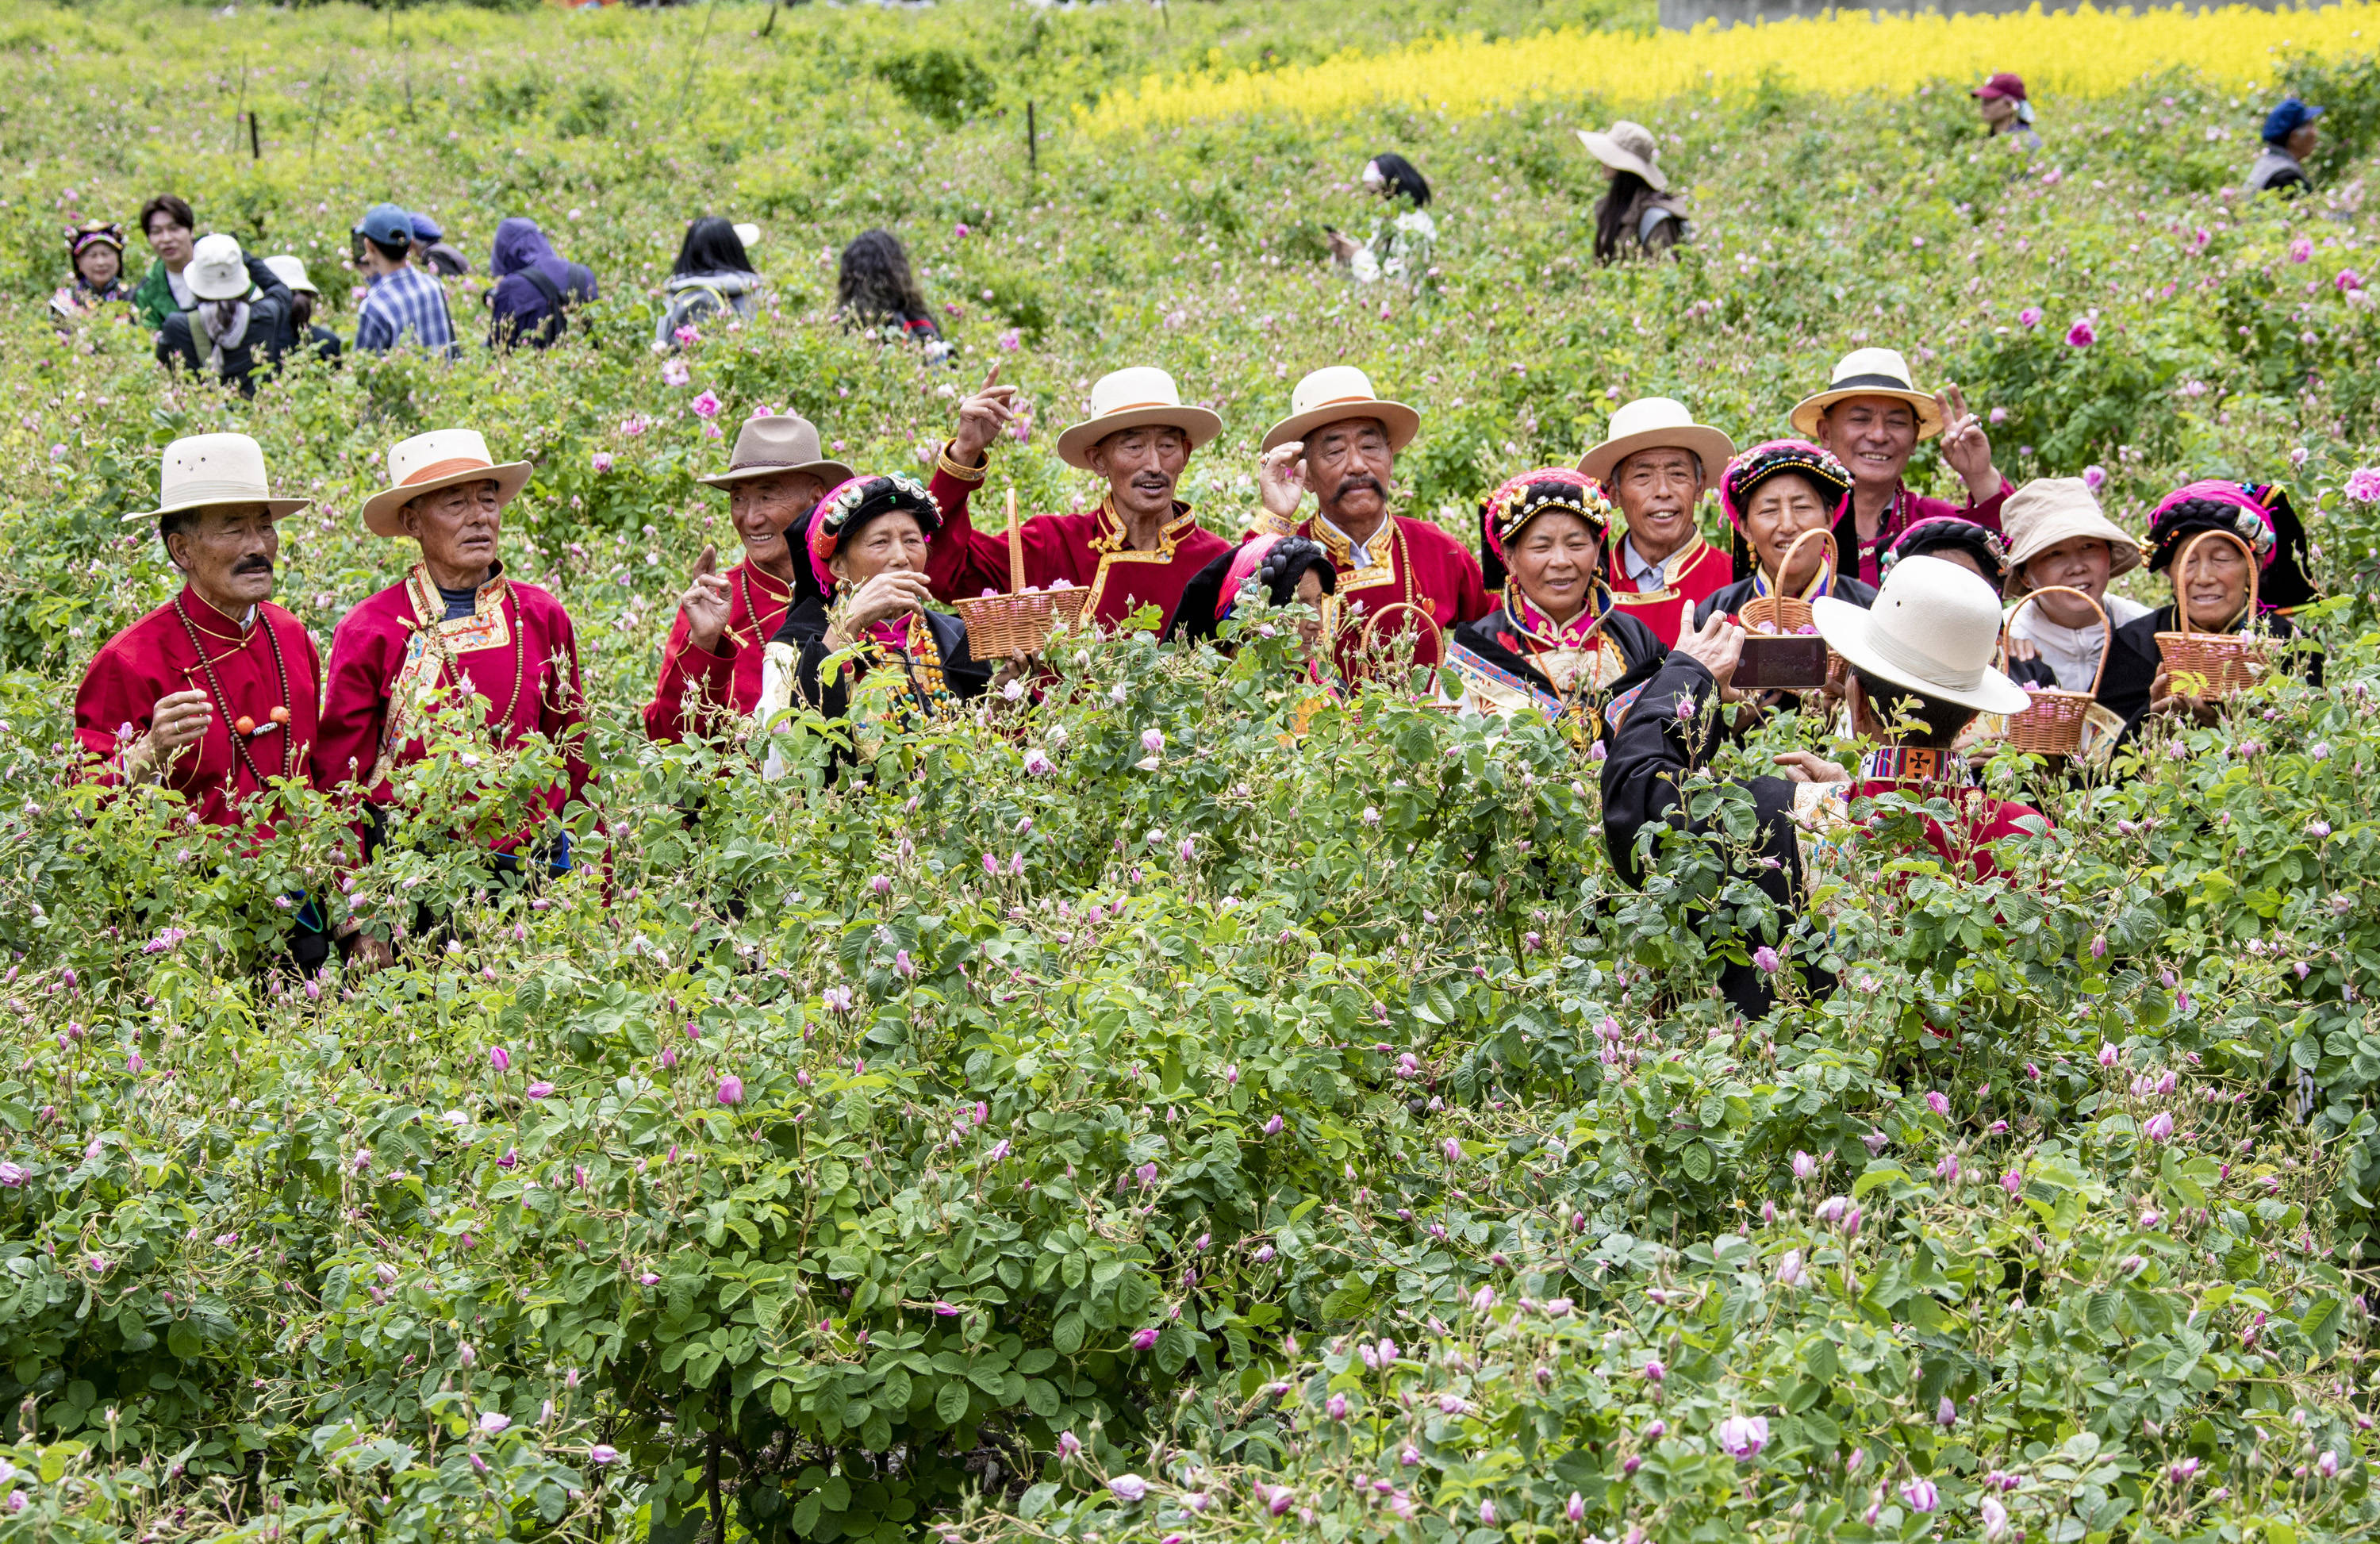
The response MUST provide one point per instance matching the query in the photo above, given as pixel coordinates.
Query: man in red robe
(453, 622)
(214, 693)
(1140, 547)
(711, 666)
(1400, 580)
(1871, 416)
(1656, 463)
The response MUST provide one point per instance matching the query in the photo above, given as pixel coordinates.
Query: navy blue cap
(425, 229)
(388, 225)
(2287, 119)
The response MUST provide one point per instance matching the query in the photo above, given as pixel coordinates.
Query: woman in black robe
(1557, 641)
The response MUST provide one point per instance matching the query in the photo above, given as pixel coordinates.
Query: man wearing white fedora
(1921, 670)
(238, 318)
(214, 693)
(714, 659)
(1140, 547)
(1656, 463)
(1341, 441)
(453, 622)
(1872, 416)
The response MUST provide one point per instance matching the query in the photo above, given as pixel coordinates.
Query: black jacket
(1650, 757)
(270, 334)
(1639, 646)
(805, 628)
(2134, 659)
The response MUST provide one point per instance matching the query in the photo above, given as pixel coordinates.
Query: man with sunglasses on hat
(713, 667)
(1871, 416)
(1140, 547)
(404, 302)
(1918, 670)
(1400, 580)
(456, 627)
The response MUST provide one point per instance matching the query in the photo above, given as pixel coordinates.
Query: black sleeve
(1193, 614)
(174, 345)
(1491, 567)
(804, 631)
(269, 332)
(2032, 673)
(2133, 659)
(968, 676)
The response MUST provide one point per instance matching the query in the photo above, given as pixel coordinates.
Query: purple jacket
(517, 309)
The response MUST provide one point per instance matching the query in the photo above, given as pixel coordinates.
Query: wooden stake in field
(255, 146)
(1032, 142)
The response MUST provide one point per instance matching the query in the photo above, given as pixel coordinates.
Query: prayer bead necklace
(215, 686)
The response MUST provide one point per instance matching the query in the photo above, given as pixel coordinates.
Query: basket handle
(1015, 549)
(1371, 628)
(2097, 676)
(2181, 583)
(1834, 554)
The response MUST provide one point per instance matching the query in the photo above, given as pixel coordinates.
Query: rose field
(1171, 1108)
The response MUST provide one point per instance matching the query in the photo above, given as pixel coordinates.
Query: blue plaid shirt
(407, 301)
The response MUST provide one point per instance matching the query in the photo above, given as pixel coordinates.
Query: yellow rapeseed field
(2088, 52)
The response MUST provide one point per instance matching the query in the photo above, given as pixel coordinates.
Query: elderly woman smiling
(1774, 495)
(1555, 641)
(865, 644)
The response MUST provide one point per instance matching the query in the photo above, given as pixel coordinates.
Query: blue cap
(388, 225)
(2287, 119)
(425, 229)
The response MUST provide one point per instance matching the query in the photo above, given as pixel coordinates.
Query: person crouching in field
(95, 248)
(454, 622)
(1140, 547)
(1920, 671)
(714, 660)
(1398, 577)
(1558, 640)
(212, 694)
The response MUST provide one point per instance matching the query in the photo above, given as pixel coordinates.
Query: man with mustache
(1656, 463)
(455, 623)
(1341, 440)
(713, 663)
(211, 694)
(1871, 416)
(1140, 547)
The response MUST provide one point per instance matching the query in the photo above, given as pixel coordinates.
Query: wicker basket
(1021, 621)
(2053, 725)
(2221, 664)
(1778, 654)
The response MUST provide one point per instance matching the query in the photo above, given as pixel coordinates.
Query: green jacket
(153, 302)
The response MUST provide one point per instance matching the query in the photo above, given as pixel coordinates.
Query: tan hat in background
(773, 444)
(1869, 372)
(1933, 628)
(1630, 147)
(439, 459)
(291, 271)
(1134, 398)
(1657, 423)
(200, 471)
(1335, 393)
(2049, 510)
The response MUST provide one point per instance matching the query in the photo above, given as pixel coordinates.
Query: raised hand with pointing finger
(983, 418)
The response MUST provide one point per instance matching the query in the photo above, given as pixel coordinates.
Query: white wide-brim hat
(1933, 628)
(1869, 372)
(439, 459)
(2049, 510)
(201, 471)
(1630, 147)
(1657, 423)
(1134, 398)
(1335, 393)
(218, 270)
(291, 271)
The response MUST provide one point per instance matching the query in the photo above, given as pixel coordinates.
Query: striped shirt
(408, 302)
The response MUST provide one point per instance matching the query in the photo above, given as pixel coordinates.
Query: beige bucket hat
(218, 268)
(777, 443)
(1335, 393)
(1657, 423)
(200, 471)
(1934, 628)
(1134, 398)
(1869, 372)
(1630, 147)
(439, 459)
(2049, 510)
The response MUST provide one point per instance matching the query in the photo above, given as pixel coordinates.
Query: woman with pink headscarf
(2256, 525)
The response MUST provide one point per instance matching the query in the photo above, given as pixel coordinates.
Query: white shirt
(1356, 550)
(2072, 653)
(183, 294)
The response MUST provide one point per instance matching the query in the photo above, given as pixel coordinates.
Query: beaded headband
(855, 500)
(1947, 531)
(1751, 467)
(1521, 499)
(94, 233)
(2213, 504)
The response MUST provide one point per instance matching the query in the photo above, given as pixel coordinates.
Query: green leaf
(1037, 1499)
(1698, 1160)
(950, 1402)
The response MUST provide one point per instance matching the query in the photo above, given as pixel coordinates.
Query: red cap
(1999, 85)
